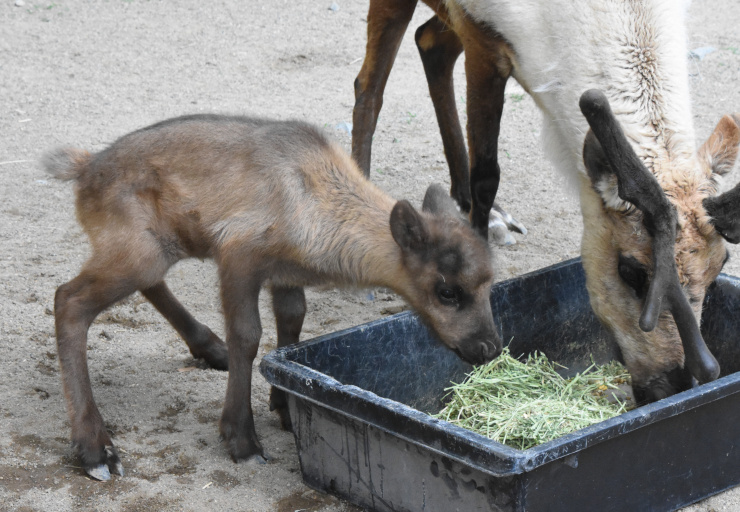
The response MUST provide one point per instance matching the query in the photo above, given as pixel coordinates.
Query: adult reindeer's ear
(438, 202)
(720, 152)
(720, 149)
(408, 227)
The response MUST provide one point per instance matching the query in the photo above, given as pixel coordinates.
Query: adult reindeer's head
(652, 244)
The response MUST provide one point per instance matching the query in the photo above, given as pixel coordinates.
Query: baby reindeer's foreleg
(239, 297)
(289, 306)
(76, 304)
(201, 341)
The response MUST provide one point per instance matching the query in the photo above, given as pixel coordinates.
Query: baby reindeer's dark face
(449, 275)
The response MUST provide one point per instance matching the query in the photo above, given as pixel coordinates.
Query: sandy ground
(86, 72)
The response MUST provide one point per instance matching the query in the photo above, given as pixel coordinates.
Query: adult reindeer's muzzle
(607, 152)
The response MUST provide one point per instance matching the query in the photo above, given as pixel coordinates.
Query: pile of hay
(526, 403)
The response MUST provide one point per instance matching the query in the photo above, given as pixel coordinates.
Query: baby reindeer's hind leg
(76, 305)
(289, 306)
(200, 339)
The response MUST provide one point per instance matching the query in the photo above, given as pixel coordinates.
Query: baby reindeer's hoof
(245, 449)
(279, 403)
(213, 352)
(501, 224)
(284, 418)
(103, 470)
(241, 440)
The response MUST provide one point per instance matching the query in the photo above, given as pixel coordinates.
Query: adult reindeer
(275, 204)
(653, 222)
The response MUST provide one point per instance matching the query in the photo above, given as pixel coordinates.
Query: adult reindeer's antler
(638, 186)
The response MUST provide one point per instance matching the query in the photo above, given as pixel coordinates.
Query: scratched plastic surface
(359, 400)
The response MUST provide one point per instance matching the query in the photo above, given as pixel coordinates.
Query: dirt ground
(84, 73)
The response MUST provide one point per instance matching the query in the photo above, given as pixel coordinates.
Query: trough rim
(457, 443)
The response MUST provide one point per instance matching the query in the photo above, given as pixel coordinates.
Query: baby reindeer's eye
(634, 274)
(448, 295)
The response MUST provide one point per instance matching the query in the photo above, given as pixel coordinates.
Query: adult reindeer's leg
(76, 304)
(289, 306)
(386, 23)
(439, 48)
(487, 68)
(239, 296)
(200, 339)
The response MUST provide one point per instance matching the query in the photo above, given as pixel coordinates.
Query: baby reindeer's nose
(490, 350)
(480, 347)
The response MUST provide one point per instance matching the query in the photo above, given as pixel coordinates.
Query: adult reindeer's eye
(634, 274)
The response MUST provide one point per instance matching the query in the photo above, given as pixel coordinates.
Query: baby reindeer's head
(448, 270)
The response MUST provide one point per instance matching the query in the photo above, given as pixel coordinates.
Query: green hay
(526, 403)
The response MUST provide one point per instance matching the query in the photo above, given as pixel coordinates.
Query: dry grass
(526, 403)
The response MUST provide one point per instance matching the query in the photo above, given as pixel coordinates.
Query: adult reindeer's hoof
(501, 224)
(102, 471)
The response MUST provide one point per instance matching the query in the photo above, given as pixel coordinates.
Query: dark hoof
(285, 421)
(246, 450)
(111, 464)
(279, 403)
(214, 353)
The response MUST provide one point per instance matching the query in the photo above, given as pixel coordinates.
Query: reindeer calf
(275, 204)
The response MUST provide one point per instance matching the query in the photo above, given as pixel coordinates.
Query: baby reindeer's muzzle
(480, 348)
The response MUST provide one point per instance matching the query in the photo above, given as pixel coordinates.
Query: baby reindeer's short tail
(65, 163)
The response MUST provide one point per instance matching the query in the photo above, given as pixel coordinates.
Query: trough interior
(547, 311)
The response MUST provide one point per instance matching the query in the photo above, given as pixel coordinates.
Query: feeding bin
(359, 400)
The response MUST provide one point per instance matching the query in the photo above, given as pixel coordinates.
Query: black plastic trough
(359, 400)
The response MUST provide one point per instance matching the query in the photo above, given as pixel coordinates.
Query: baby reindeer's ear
(408, 227)
(438, 202)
